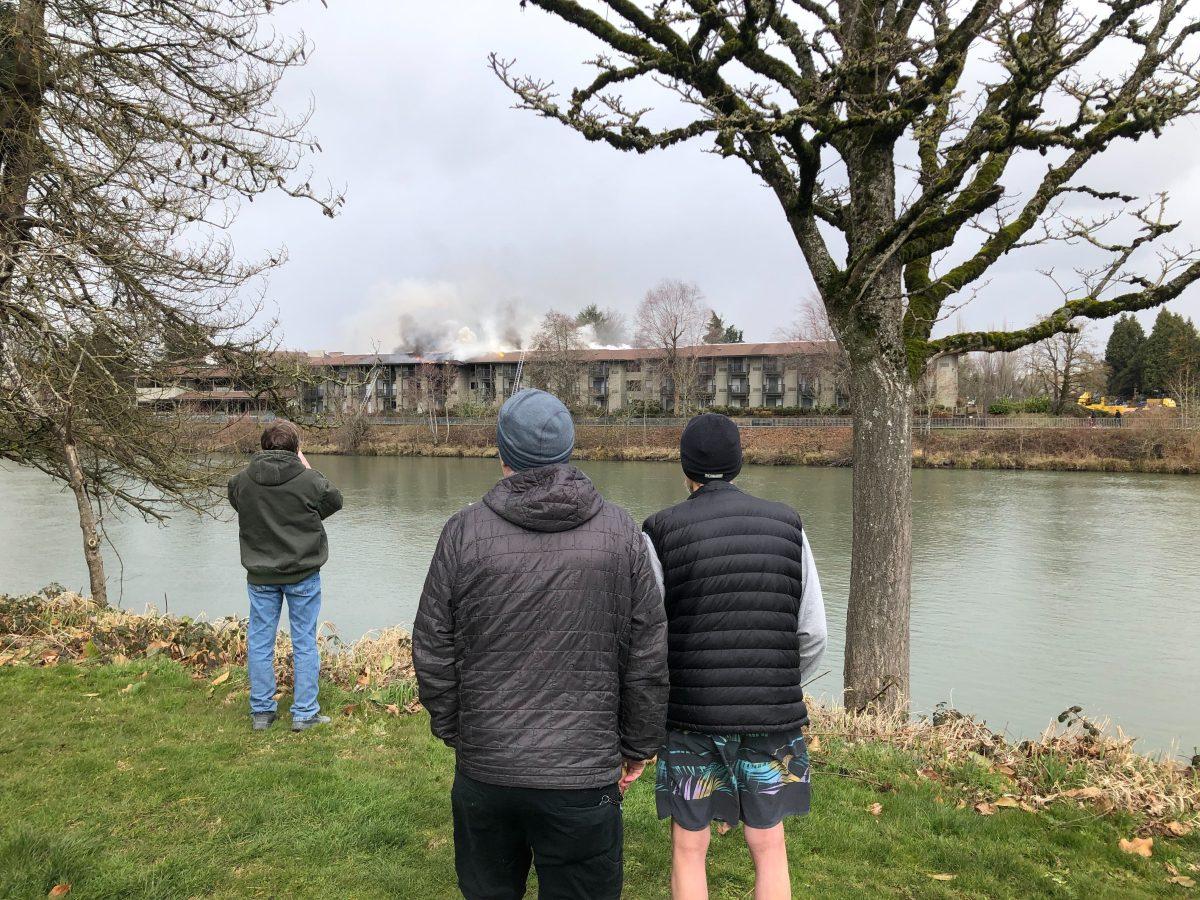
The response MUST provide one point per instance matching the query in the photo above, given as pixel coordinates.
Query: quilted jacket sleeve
(644, 681)
(433, 637)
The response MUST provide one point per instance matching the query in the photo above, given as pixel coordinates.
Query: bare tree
(892, 133)
(1060, 363)
(553, 362)
(821, 362)
(434, 382)
(1183, 385)
(671, 320)
(987, 377)
(129, 131)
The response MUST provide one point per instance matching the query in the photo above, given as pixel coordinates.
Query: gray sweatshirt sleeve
(655, 563)
(812, 628)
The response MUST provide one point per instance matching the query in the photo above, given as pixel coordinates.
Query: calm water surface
(1032, 591)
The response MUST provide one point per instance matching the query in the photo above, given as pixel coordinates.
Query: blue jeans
(304, 608)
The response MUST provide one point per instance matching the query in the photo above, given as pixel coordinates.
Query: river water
(1032, 591)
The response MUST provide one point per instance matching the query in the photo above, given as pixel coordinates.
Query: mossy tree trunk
(877, 635)
(87, 524)
(868, 315)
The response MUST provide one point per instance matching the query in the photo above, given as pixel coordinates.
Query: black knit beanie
(711, 449)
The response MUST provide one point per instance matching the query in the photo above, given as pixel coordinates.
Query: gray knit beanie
(534, 429)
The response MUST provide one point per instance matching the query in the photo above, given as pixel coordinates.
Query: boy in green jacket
(281, 502)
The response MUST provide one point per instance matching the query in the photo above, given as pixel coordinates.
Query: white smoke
(460, 318)
(418, 316)
(588, 334)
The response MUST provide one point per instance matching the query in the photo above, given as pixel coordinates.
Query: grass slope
(161, 790)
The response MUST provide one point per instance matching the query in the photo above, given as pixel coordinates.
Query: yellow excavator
(1102, 404)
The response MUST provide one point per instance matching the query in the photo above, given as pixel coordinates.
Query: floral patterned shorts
(758, 779)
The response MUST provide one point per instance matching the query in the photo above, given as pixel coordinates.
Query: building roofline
(600, 354)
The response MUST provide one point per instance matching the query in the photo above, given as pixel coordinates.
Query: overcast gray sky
(458, 205)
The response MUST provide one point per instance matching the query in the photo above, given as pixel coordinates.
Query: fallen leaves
(875, 809)
(222, 678)
(1178, 829)
(941, 876)
(1182, 881)
(1137, 846)
(985, 809)
(60, 890)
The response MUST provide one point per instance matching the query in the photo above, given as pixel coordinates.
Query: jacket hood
(274, 467)
(548, 498)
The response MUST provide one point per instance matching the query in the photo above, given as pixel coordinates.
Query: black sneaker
(305, 724)
(262, 721)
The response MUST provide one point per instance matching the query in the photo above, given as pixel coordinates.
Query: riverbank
(129, 770)
(1138, 448)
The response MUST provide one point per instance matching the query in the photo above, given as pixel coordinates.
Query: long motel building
(747, 376)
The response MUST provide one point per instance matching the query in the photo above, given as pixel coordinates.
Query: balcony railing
(773, 386)
(739, 367)
(739, 387)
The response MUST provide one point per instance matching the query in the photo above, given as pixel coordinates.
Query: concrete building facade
(796, 375)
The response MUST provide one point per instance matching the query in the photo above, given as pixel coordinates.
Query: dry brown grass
(57, 625)
(1144, 446)
(1075, 760)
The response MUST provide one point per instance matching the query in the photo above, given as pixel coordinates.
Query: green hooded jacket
(280, 506)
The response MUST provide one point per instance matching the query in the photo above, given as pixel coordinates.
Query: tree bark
(877, 631)
(87, 524)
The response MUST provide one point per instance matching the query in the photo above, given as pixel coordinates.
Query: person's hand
(630, 770)
(303, 461)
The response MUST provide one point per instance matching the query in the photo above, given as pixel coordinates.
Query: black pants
(574, 839)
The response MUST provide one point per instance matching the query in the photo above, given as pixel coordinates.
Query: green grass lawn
(163, 791)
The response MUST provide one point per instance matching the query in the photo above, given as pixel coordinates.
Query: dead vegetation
(61, 626)
(1074, 761)
(1139, 447)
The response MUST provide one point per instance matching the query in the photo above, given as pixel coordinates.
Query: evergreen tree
(1173, 344)
(715, 333)
(1123, 355)
(718, 332)
(608, 325)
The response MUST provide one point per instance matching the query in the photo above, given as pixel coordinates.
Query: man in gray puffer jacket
(540, 650)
